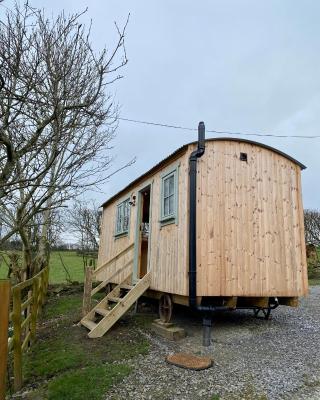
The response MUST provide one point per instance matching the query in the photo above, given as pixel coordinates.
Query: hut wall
(250, 233)
(168, 251)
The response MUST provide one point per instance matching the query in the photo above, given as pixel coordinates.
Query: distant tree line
(312, 227)
(312, 235)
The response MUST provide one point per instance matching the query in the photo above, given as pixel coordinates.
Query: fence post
(88, 277)
(39, 295)
(4, 325)
(41, 285)
(17, 351)
(34, 308)
(41, 289)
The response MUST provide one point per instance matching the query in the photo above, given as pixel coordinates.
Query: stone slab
(164, 324)
(168, 331)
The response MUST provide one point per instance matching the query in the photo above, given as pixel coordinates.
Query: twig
(68, 276)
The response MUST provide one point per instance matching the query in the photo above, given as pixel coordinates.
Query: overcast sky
(251, 66)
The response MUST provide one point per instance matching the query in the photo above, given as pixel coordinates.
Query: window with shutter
(122, 217)
(169, 197)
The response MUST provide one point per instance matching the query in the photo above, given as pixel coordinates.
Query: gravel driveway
(253, 358)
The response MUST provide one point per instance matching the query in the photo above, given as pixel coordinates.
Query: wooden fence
(4, 322)
(26, 303)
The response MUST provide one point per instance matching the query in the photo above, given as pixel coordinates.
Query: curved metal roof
(184, 148)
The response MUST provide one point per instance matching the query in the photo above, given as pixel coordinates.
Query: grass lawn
(64, 364)
(72, 261)
(314, 281)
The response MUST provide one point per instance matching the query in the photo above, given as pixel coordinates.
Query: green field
(72, 261)
(74, 265)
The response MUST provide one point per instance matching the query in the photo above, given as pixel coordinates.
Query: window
(169, 197)
(122, 219)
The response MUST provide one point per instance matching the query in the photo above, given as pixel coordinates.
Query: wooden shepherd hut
(218, 224)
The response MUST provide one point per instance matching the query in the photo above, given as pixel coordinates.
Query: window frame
(173, 217)
(122, 232)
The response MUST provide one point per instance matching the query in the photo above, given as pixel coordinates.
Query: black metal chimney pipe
(193, 215)
(206, 309)
(193, 225)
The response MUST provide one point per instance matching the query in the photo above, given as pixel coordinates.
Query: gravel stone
(253, 358)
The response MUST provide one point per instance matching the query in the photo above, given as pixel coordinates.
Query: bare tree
(312, 226)
(22, 129)
(57, 119)
(83, 219)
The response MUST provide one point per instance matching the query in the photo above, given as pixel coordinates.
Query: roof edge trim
(183, 148)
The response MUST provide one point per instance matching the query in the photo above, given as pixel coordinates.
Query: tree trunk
(43, 253)
(27, 253)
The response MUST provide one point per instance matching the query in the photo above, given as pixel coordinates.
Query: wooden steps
(113, 307)
(115, 299)
(88, 323)
(125, 286)
(101, 311)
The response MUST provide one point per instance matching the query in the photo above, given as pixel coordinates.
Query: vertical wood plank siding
(250, 223)
(168, 250)
(250, 234)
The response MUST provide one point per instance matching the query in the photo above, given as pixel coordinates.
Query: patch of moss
(90, 383)
(51, 356)
(129, 349)
(144, 320)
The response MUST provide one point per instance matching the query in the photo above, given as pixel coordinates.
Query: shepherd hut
(218, 224)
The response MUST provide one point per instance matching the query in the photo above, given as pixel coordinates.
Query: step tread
(102, 311)
(88, 323)
(122, 306)
(115, 299)
(126, 286)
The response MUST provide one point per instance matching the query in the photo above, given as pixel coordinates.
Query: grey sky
(237, 65)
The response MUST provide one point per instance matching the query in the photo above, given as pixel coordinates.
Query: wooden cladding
(250, 234)
(250, 237)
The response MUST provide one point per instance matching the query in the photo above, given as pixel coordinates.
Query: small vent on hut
(243, 157)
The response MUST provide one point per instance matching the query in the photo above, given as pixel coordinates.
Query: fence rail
(27, 299)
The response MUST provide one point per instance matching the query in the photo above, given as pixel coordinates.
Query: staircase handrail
(106, 264)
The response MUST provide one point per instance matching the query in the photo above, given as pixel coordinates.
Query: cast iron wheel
(165, 308)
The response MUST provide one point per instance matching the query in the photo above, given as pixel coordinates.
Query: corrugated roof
(182, 149)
